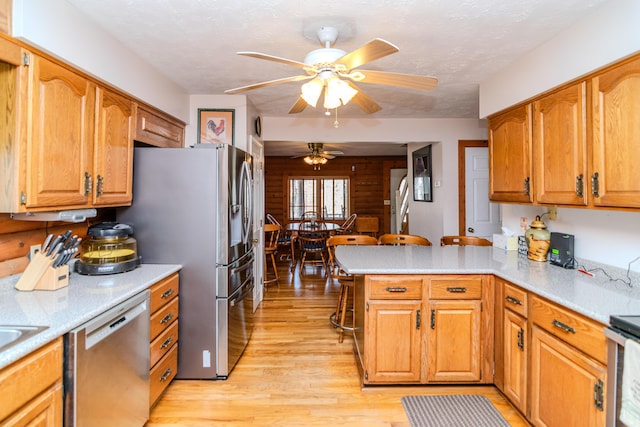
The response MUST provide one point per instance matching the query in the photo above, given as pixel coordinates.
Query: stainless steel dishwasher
(107, 368)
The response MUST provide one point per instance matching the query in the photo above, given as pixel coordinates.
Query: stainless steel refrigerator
(193, 206)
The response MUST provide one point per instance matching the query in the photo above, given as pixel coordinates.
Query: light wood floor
(295, 373)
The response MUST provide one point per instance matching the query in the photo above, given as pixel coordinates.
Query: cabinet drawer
(163, 318)
(456, 288)
(23, 380)
(515, 299)
(163, 291)
(162, 374)
(578, 331)
(394, 287)
(158, 129)
(163, 343)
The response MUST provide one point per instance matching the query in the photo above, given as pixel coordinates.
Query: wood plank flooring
(295, 373)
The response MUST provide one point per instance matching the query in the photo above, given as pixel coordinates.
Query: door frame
(462, 181)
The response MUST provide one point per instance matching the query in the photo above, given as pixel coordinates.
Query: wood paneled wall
(16, 238)
(369, 179)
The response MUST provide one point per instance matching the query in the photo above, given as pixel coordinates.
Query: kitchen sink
(11, 335)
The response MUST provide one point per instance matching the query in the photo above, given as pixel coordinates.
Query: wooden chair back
(345, 239)
(403, 239)
(464, 241)
(272, 219)
(271, 235)
(347, 226)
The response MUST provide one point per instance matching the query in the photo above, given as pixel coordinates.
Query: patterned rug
(452, 411)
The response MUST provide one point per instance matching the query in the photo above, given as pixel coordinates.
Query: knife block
(40, 275)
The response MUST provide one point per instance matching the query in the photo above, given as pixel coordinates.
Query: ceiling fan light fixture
(337, 93)
(311, 91)
(313, 160)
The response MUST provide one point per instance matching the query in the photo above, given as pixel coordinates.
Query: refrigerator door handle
(248, 291)
(240, 269)
(246, 190)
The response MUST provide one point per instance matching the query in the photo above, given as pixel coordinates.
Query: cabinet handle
(459, 290)
(579, 185)
(595, 185)
(166, 318)
(563, 326)
(166, 374)
(433, 319)
(396, 289)
(513, 300)
(99, 185)
(167, 293)
(418, 321)
(88, 183)
(598, 395)
(527, 186)
(166, 343)
(521, 339)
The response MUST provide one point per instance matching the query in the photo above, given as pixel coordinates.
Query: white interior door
(482, 217)
(257, 151)
(396, 176)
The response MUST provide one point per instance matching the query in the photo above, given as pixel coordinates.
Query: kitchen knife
(53, 245)
(56, 250)
(61, 257)
(46, 243)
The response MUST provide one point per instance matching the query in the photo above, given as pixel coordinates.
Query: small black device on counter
(561, 250)
(108, 249)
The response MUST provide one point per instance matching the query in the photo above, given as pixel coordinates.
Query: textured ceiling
(461, 42)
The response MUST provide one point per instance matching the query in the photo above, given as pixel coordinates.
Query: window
(329, 197)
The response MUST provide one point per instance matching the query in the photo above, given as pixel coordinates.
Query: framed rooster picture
(215, 126)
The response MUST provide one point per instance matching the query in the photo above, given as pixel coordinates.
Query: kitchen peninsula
(482, 315)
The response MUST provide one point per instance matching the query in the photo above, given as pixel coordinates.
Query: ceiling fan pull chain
(336, 124)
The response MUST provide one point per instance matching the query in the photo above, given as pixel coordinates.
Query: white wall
(57, 27)
(609, 237)
(428, 219)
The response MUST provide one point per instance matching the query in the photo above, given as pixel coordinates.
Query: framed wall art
(215, 126)
(422, 190)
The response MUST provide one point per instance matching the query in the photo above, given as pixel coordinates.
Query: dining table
(315, 227)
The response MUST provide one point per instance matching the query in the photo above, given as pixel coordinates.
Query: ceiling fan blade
(375, 49)
(327, 156)
(274, 59)
(363, 101)
(299, 106)
(268, 83)
(410, 81)
(332, 153)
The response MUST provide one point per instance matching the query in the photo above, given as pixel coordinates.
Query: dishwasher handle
(115, 319)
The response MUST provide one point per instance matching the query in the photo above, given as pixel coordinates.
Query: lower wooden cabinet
(516, 349)
(31, 389)
(163, 335)
(398, 342)
(567, 387)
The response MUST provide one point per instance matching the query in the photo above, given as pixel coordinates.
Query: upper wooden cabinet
(560, 146)
(616, 131)
(58, 141)
(156, 128)
(584, 144)
(113, 155)
(510, 156)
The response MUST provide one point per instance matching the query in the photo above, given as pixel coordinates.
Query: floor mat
(452, 411)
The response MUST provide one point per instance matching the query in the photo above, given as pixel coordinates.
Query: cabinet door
(515, 359)
(113, 157)
(454, 341)
(560, 146)
(567, 388)
(393, 342)
(42, 410)
(616, 114)
(60, 137)
(510, 156)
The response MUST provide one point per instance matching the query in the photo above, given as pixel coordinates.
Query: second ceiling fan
(334, 71)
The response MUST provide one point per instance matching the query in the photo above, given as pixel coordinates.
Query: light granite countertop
(596, 297)
(64, 309)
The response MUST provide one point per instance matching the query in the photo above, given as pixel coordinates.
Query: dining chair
(347, 226)
(345, 294)
(403, 239)
(312, 240)
(464, 241)
(271, 234)
(284, 239)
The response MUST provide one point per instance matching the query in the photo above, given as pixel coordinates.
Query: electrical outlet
(34, 250)
(524, 223)
(553, 213)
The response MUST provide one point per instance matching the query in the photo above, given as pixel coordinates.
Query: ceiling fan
(318, 156)
(334, 71)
